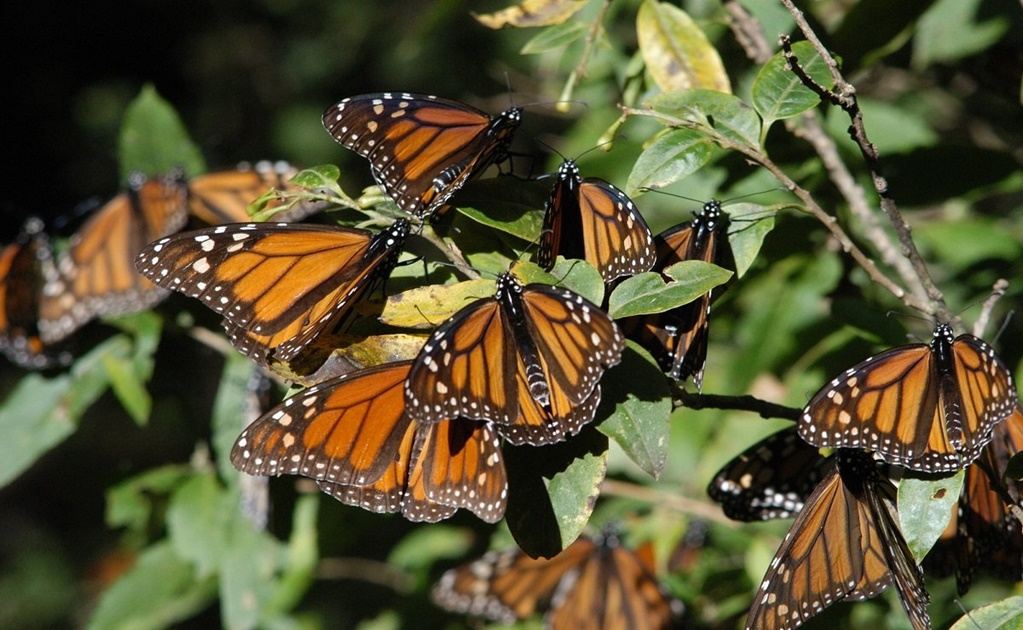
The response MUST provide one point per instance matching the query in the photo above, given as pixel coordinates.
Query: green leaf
(301, 557)
(40, 413)
(749, 224)
(130, 503)
(1006, 614)
(160, 590)
(924, 509)
(647, 292)
(198, 517)
(316, 177)
(153, 139)
(580, 277)
(507, 204)
(777, 92)
(247, 574)
(676, 52)
(235, 406)
(637, 409)
(723, 114)
(554, 37)
(672, 156)
(950, 30)
(127, 385)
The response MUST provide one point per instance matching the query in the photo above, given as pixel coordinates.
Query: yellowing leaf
(676, 51)
(531, 13)
(430, 306)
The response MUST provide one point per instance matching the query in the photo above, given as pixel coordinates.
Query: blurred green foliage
(119, 506)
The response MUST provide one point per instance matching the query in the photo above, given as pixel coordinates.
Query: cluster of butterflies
(47, 297)
(422, 436)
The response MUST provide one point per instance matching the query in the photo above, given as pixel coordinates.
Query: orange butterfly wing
(277, 286)
(528, 359)
(421, 148)
(224, 196)
(914, 408)
(844, 544)
(97, 269)
(345, 430)
(593, 220)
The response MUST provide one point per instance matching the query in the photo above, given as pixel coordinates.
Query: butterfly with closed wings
(593, 584)
(352, 435)
(528, 359)
(677, 338)
(421, 149)
(283, 289)
(845, 544)
(928, 407)
(591, 219)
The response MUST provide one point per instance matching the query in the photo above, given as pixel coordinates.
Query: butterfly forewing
(345, 430)
(421, 148)
(927, 407)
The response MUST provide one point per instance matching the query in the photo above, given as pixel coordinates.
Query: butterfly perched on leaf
(27, 271)
(528, 359)
(678, 338)
(421, 149)
(983, 536)
(593, 220)
(771, 479)
(352, 435)
(282, 288)
(592, 584)
(845, 544)
(928, 407)
(97, 272)
(223, 196)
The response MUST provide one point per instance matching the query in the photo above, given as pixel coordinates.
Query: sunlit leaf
(778, 93)
(1006, 614)
(677, 53)
(153, 139)
(712, 111)
(647, 292)
(671, 157)
(531, 13)
(429, 306)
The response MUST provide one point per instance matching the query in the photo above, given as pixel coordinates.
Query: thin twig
(765, 409)
(580, 69)
(843, 94)
(997, 291)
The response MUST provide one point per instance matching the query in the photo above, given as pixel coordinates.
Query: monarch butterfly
(96, 269)
(769, 480)
(26, 272)
(352, 435)
(223, 196)
(528, 359)
(421, 148)
(928, 407)
(677, 339)
(278, 286)
(845, 544)
(593, 220)
(593, 583)
(983, 535)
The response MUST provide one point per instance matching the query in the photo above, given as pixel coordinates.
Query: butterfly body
(421, 148)
(930, 407)
(528, 359)
(591, 219)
